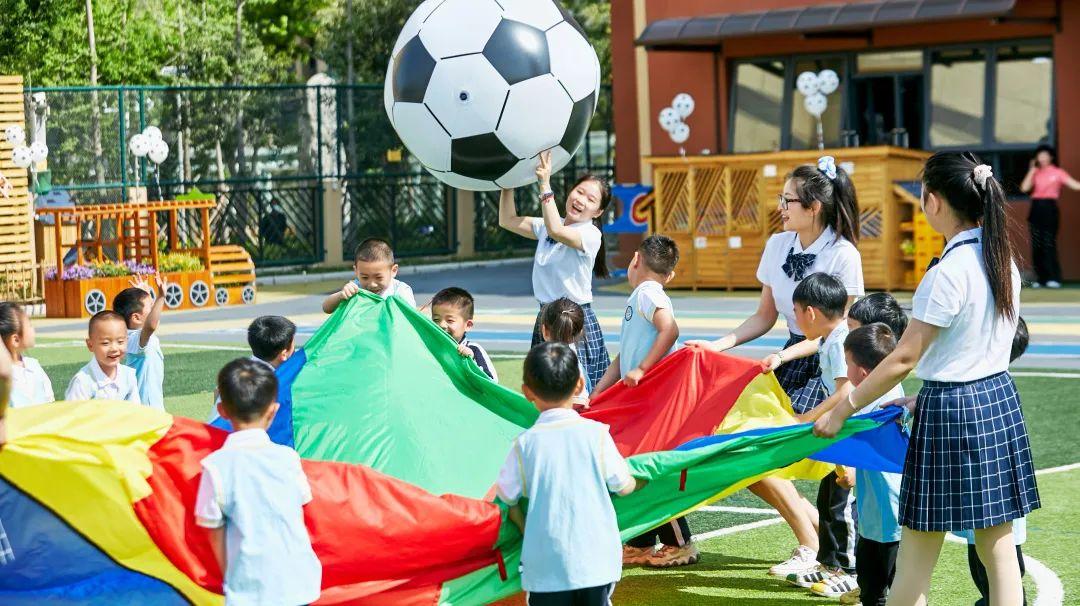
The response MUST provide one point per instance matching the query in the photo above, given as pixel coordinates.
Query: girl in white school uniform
(29, 383)
(569, 253)
(820, 217)
(969, 462)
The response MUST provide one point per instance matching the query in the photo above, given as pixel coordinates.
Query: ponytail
(970, 189)
(600, 268)
(830, 186)
(564, 321)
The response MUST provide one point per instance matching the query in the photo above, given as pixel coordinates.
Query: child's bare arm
(331, 303)
(217, 545)
(802, 349)
(154, 317)
(667, 333)
(611, 377)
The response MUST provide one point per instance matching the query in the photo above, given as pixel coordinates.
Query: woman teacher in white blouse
(821, 223)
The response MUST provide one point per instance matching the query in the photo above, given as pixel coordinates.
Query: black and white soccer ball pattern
(476, 89)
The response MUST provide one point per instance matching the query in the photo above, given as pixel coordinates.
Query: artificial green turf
(732, 569)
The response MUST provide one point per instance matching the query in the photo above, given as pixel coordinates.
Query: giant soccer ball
(477, 89)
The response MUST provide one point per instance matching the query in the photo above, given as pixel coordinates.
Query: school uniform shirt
(149, 365)
(560, 270)
(638, 331)
(398, 288)
(29, 384)
(974, 341)
(832, 255)
(831, 357)
(877, 493)
(91, 383)
(566, 466)
(257, 490)
(481, 357)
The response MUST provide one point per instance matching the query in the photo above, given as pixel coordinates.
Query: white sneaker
(802, 559)
(1053, 284)
(809, 577)
(835, 584)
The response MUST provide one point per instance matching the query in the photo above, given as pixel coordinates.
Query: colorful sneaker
(636, 555)
(807, 578)
(851, 598)
(835, 584)
(669, 555)
(802, 559)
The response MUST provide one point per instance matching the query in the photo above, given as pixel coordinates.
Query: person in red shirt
(1044, 181)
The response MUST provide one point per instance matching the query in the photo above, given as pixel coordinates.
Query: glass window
(1022, 96)
(803, 124)
(759, 97)
(889, 63)
(957, 86)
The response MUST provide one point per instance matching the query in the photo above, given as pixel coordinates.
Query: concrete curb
(405, 270)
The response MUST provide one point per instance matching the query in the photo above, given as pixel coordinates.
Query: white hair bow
(981, 173)
(827, 165)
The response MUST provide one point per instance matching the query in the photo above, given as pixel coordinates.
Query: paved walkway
(506, 311)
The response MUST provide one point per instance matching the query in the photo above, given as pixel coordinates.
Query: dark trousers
(1043, 221)
(875, 563)
(836, 525)
(978, 574)
(589, 596)
(675, 533)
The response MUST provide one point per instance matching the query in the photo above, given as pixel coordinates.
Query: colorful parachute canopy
(110, 487)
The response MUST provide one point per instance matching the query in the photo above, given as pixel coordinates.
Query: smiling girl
(569, 253)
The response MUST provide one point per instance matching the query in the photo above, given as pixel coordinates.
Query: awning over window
(708, 30)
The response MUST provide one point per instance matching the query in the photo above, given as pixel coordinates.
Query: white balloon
(807, 83)
(139, 145)
(15, 134)
(683, 104)
(22, 157)
(159, 150)
(816, 104)
(680, 133)
(828, 81)
(152, 132)
(39, 151)
(669, 118)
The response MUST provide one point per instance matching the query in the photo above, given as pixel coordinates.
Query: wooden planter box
(83, 298)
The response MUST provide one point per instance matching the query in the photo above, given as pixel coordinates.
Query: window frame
(785, 101)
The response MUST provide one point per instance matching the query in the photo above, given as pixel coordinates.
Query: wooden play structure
(117, 233)
(17, 264)
(720, 210)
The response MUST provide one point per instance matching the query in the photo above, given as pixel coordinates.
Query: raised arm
(154, 317)
(753, 327)
(553, 222)
(509, 218)
(1071, 183)
(893, 369)
(1029, 179)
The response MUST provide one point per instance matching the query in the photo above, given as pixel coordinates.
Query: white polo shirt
(396, 287)
(974, 341)
(834, 256)
(832, 361)
(560, 270)
(29, 384)
(91, 383)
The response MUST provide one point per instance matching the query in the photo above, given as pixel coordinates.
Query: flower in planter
(77, 272)
(138, 269)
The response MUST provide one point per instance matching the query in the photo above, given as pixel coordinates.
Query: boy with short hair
(252, 495)
(878, 307)
(649, 333)
(104, 377)
(877, 493)
(142, 314)
(376, 271)
(565, 466)
(452, 310)
(272, 341)
(820, 301)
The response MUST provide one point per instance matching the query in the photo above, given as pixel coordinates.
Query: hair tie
(827, 166)
(567, 311)
(981, 173)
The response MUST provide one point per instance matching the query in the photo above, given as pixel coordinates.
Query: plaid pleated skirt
(591, 348)
(969, 462)
(801, 379)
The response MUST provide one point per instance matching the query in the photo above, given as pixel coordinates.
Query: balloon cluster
(149, 144)
(673, 119)
(815, 87)
(23, 156)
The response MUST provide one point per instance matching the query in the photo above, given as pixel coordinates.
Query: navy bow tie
(796, 264)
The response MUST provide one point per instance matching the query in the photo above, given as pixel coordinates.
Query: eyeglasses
(784, 202)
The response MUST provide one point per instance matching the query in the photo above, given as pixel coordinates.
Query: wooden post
(204, 215)
(728, 193)
(151, 217)
(58, 243)
(466, 223)
(172, 231)
(692, 225)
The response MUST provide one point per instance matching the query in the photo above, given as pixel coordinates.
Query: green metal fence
(272, 149)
